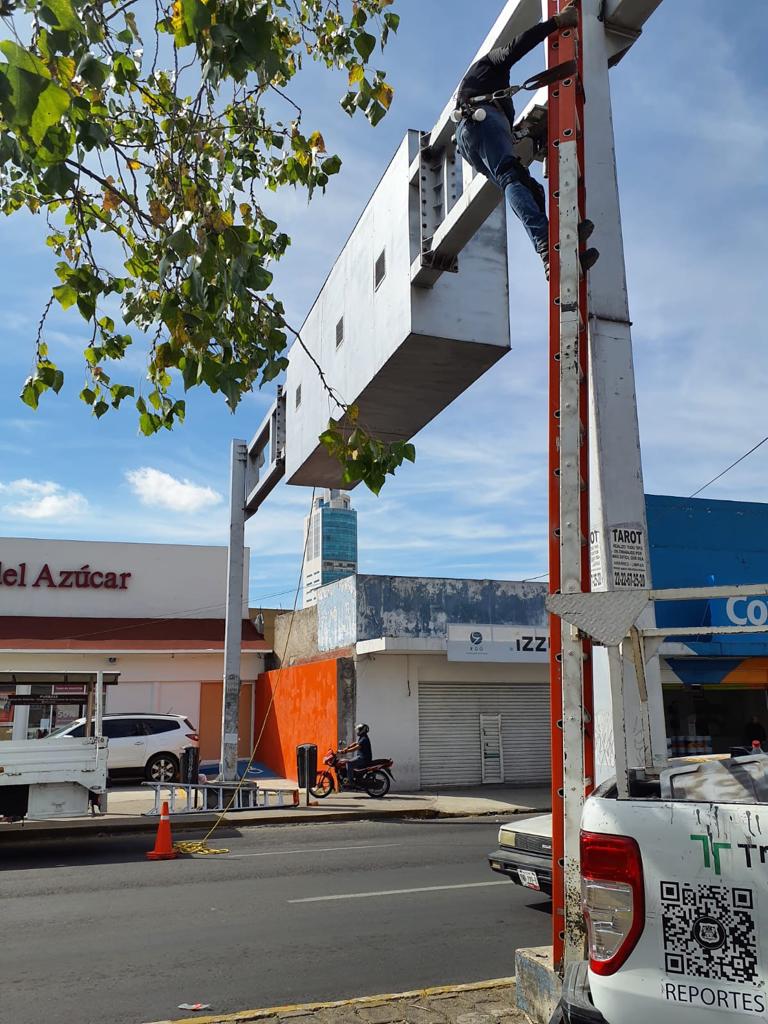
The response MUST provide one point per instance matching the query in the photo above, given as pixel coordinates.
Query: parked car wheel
(162, 768)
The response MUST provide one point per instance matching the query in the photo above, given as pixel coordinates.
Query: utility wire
(728, 468)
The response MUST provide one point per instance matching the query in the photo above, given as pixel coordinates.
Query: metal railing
(216, 797)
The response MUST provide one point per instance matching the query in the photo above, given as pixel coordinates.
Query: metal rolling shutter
(449, 731)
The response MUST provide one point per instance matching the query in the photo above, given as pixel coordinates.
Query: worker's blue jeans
(488, 146)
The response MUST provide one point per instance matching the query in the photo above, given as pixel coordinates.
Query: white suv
(141, 744)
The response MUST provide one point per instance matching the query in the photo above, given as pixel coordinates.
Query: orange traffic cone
(163, 843)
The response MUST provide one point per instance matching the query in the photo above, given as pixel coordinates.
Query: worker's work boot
(588, 259)
(585, 229)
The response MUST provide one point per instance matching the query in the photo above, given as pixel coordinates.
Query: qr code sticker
(709, 931)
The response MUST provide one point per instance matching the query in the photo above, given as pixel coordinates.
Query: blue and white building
(330, 532)
(715, 686)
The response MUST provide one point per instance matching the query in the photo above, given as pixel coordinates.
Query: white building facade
(154, 613)
(451, 675)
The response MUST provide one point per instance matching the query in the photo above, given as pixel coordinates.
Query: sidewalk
(486, 1002)
(127, 807)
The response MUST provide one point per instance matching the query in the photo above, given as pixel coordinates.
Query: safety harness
(473, 107)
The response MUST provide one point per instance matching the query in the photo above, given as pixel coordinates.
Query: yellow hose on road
(196, 846)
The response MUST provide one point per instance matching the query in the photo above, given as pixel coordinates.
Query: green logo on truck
(707, 844)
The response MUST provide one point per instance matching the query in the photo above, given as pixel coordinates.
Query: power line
(265, 597)
(728, 468)
(530, 579)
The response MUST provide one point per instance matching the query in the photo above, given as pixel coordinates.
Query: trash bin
(306, 763)
(190, 764)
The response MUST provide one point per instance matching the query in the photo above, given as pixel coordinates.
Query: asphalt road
(93, 932)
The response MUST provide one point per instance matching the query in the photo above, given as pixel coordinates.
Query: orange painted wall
(305, 710)
(210, 721)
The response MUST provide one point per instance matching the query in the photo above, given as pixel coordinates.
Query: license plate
(528, 879)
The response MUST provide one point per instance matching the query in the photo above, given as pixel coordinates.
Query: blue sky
(692, 144)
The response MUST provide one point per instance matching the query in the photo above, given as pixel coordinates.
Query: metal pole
(89, 710)
(233, 628)
(99, 703)
(619, 533)
(620, 743)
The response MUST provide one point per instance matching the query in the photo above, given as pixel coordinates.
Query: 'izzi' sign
(83, 578)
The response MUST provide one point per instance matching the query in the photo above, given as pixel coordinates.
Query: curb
(138, 826)
(243, 1016)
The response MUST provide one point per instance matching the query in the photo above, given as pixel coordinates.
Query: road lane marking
(395, 892)
(322, 849)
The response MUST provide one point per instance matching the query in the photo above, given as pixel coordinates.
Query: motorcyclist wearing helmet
(362, 751)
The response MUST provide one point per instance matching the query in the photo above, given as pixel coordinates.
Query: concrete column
(234, 613)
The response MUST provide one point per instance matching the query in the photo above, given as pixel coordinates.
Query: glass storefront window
(6, 713)
(704, 720)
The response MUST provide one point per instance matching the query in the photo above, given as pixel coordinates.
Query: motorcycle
(373, 779)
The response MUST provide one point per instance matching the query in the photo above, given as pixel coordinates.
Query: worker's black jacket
(491, 72)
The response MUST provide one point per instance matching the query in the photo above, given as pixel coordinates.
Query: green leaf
(223, 35)
(92, 70)
(66, 295)
(18, 57)
(61, 14)
(119, 392)
(364, 44)
(189, 19)
(51, 106)
(100, 408)
(86, 303)
(332, 165)
(182, 243)
(30, 394)
(255, 34)
(375, 112)
(21, 92)
(147, 424)
(91, 134)
(58, 180)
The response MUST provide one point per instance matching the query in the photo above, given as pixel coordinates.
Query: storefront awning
(739, 673)
(30, 633)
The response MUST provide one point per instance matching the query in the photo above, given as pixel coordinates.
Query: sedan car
(525, 853)
(141, 744)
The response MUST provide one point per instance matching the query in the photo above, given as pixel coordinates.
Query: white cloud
(41, 499)
(154, 487)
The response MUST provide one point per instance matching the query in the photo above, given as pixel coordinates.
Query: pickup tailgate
(703, 951)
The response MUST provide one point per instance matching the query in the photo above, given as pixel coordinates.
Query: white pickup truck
(675, 897)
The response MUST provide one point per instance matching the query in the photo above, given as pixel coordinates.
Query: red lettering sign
(83, 578)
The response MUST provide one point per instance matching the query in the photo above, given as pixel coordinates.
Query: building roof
(47, 633)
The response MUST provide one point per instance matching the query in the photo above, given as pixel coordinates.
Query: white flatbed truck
(45, 778)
